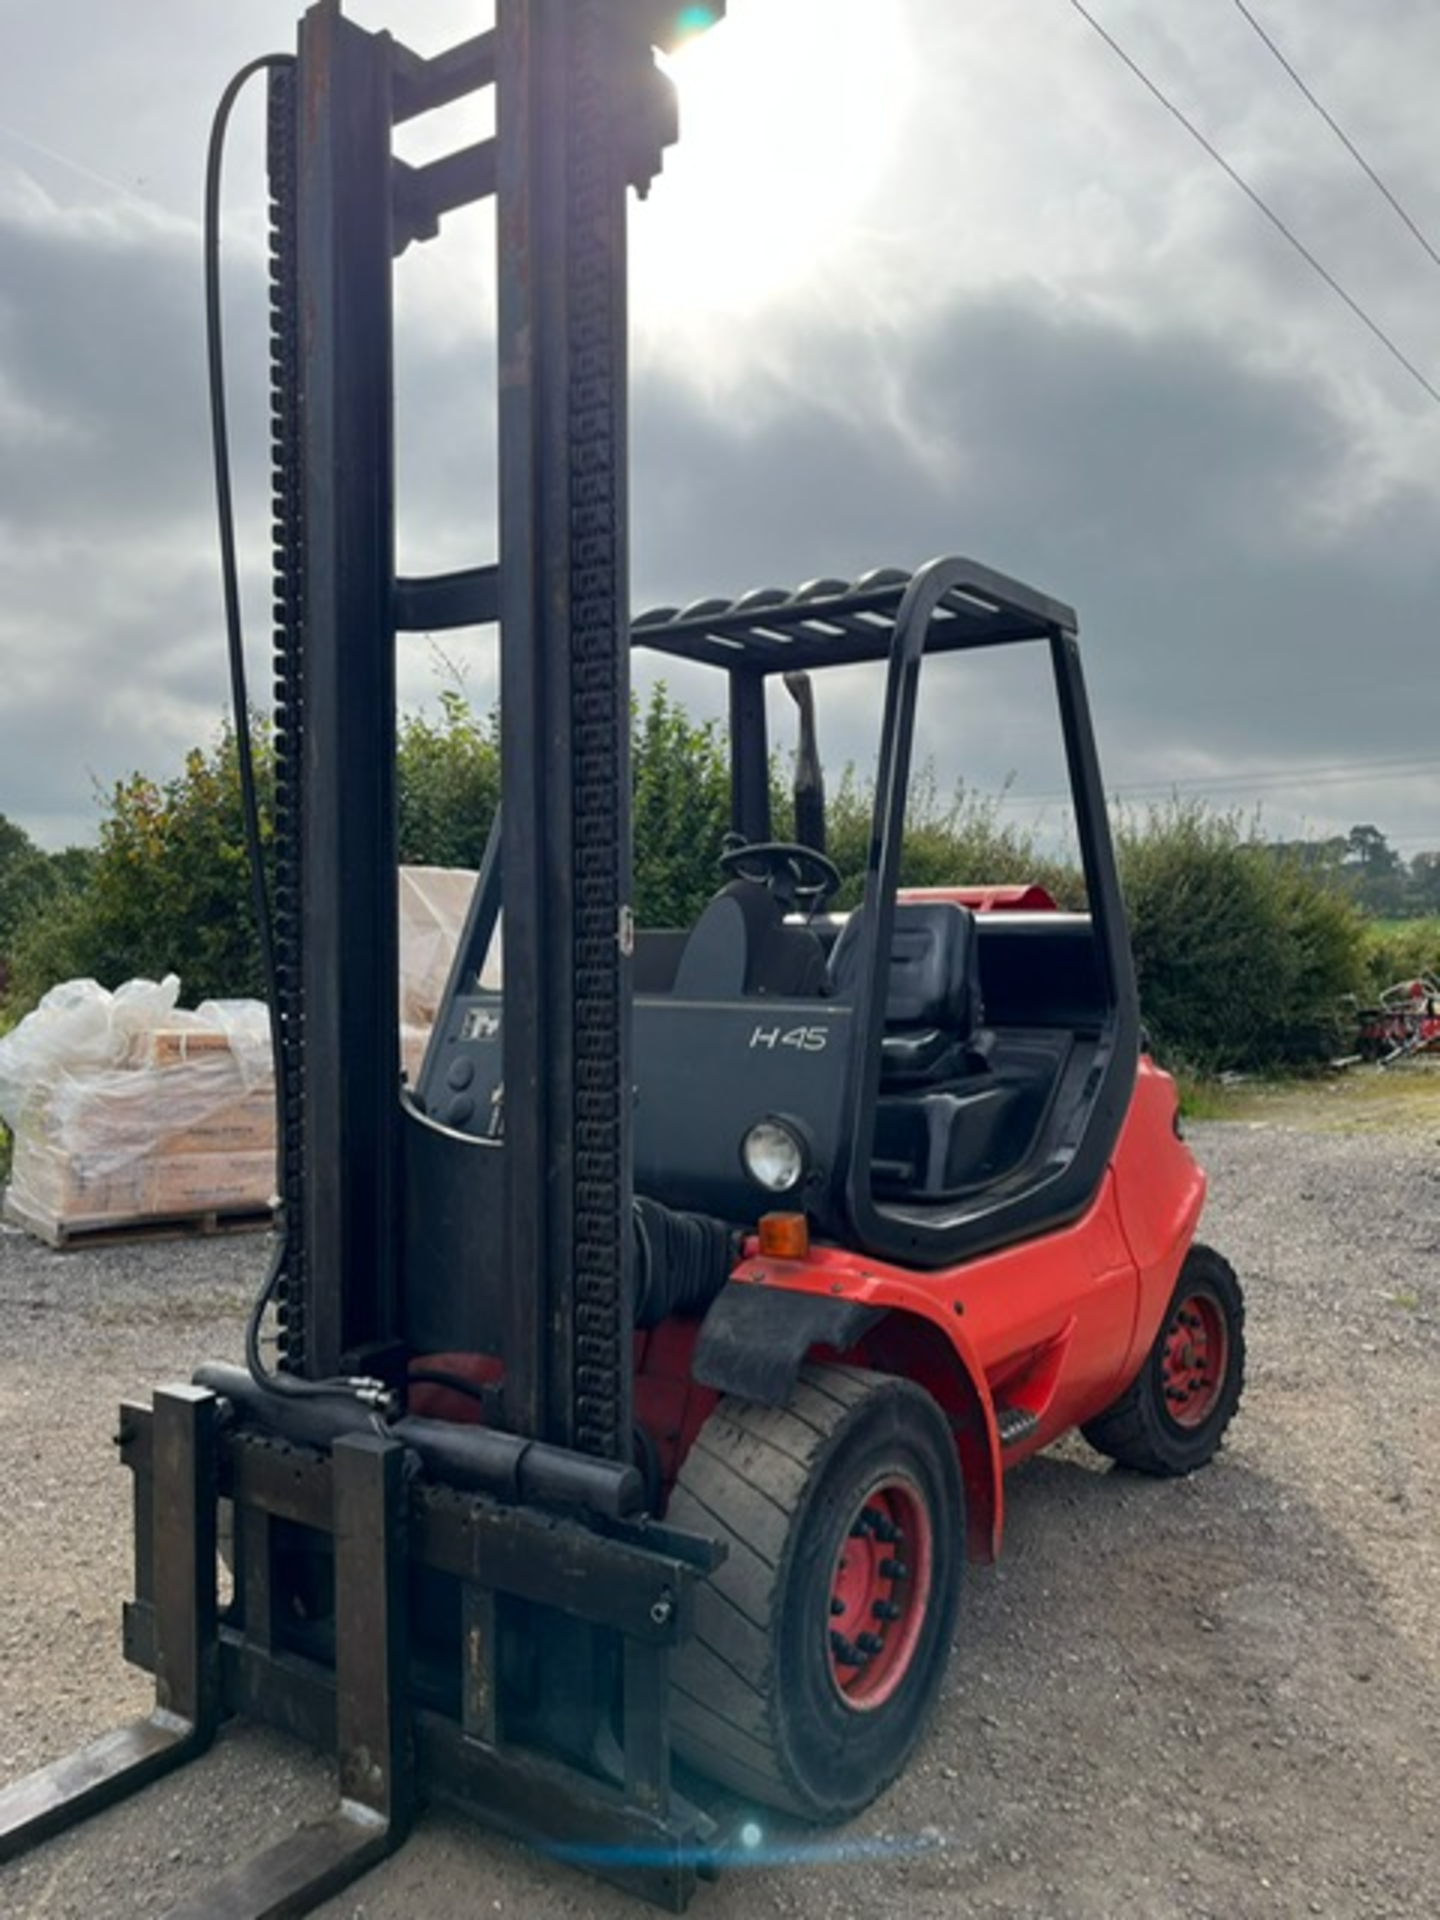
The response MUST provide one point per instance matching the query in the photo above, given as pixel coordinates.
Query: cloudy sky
(922, 277)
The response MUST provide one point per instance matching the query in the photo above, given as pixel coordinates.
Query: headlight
(774, 1156)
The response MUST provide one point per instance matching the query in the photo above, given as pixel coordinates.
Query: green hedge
(1244, 959)
(1397, 950)
(1244, 954)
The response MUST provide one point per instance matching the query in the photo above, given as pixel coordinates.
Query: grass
(1424, 927)
(1203, 1099)
(1404, 1098)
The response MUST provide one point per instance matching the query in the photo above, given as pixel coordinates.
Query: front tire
(821, 1641)
(1173, 1416)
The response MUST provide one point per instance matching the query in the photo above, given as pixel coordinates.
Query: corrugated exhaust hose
(682, 1260)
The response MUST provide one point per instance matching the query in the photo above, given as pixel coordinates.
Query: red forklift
(625, 1398)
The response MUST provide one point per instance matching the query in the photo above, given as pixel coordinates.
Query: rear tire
(1173, 1416)
(821, 1641)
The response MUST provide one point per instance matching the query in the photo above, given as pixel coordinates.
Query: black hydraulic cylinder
(477, 1459)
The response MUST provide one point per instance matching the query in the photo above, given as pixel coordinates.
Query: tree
(1323, 858)
(168, 889)
(34, 886)
(681, 810)
(1423, 889)
(21, 867)
(1367, 849)
(954, 839)
(1374, 871)
(447, 785)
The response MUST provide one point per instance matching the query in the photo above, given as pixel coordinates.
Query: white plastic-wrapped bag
(434, 905)
(78, 1027)
(126, 1107)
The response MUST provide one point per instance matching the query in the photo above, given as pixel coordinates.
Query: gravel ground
(1213, 1697)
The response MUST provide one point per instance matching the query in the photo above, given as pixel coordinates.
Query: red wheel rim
(1193, 1361)
(879, 1592)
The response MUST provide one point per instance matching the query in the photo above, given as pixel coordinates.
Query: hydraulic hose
(370, 1392)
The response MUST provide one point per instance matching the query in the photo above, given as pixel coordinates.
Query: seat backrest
(741, 945)
(933, 975)
(657, 955)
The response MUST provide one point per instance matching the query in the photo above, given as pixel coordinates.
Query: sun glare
(789, 111)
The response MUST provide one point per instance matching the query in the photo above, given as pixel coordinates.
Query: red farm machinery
(1403, 1022)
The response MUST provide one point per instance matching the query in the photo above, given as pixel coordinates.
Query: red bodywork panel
(1054, 1327)
(670, 1405)
(1019, 899)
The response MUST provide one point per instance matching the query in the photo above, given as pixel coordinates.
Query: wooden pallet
(110, 1230)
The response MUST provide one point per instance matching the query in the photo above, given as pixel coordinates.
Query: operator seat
(945, 1122)
(934, 1012)
(742, 945)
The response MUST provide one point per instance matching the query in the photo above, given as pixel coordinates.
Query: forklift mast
(581, 114)
(451, 1609)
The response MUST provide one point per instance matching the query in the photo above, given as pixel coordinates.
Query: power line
(1339, 132)
(78, 167)
(1340, 773)
(1258, 202)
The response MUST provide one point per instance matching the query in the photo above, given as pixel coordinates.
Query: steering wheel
(798, 876)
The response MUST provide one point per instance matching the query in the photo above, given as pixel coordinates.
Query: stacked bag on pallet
(434, 903)
(126, 1108)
